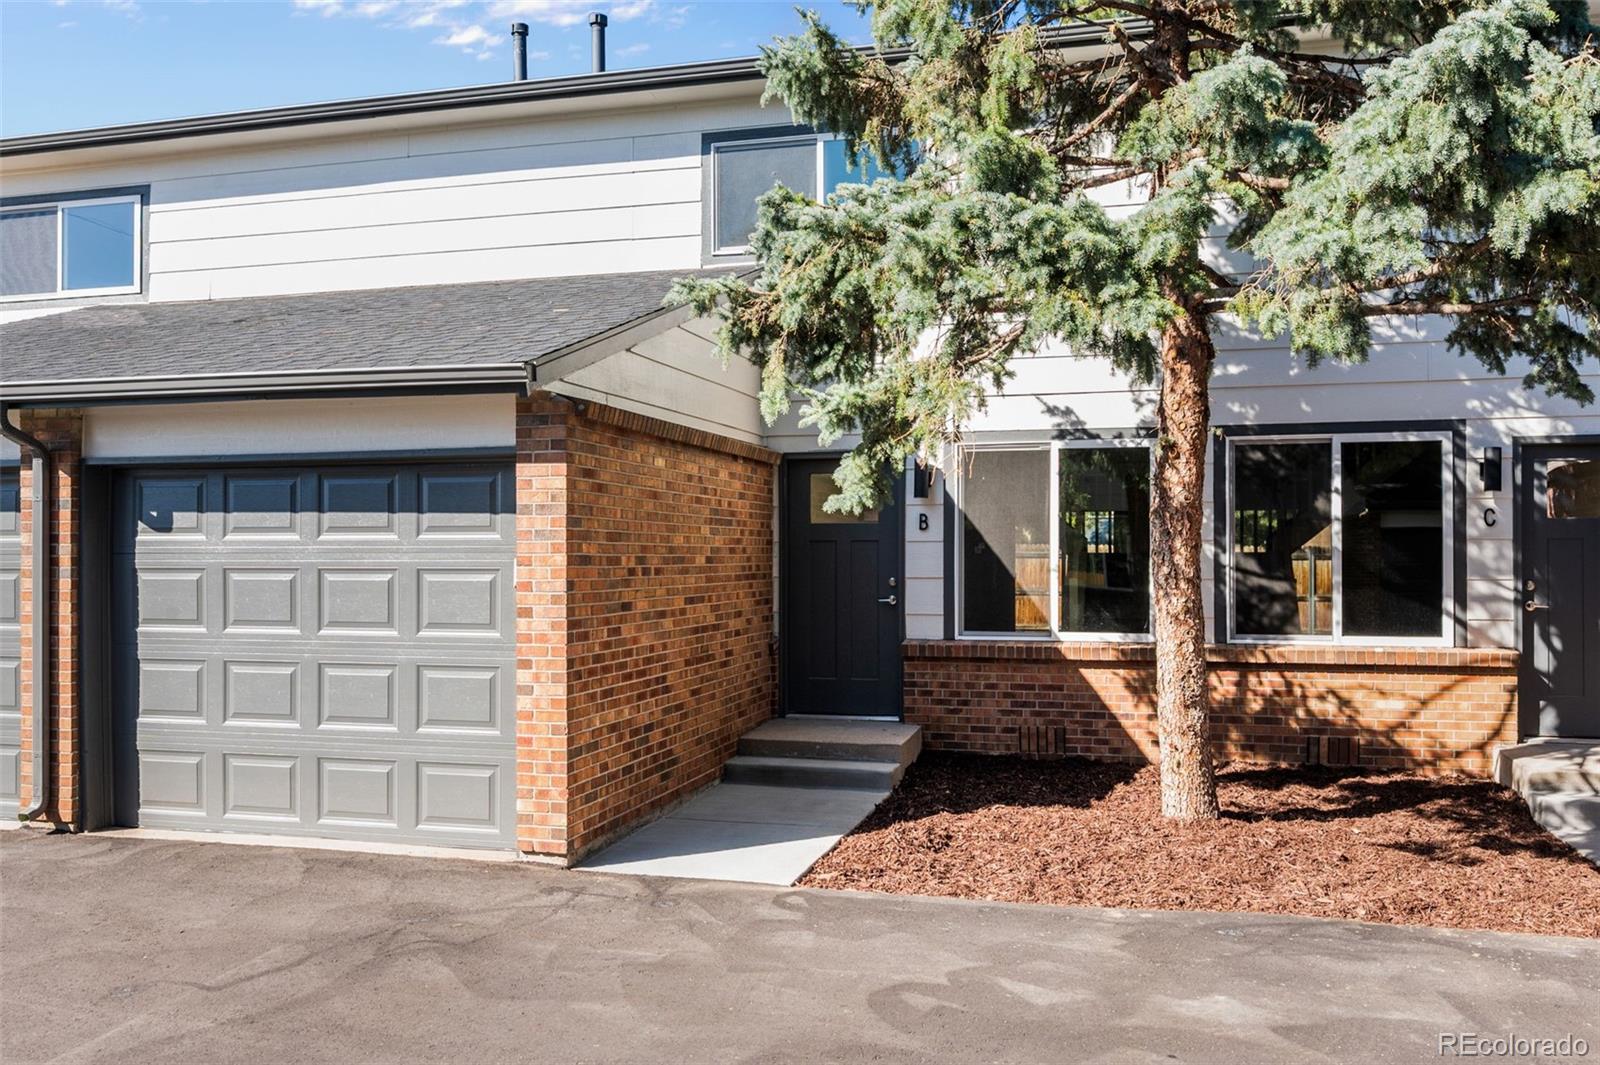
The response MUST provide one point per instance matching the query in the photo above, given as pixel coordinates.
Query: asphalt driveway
(138, 950)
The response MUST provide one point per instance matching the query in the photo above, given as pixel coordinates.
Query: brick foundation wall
(644, 615)
(62, 432)
(1442, 709)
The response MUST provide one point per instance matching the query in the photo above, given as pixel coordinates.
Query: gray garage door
(10, 645)
(323, 652)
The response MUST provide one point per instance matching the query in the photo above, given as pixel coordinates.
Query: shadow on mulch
(1395, 847)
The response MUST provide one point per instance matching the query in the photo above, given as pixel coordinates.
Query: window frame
(1336, 439)
(61, 204)
(957, 495)
(711, 144)
(716, 147)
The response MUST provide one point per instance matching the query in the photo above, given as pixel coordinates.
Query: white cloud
(130, 8)
(567, 12)
(465, 37)
(463, 24)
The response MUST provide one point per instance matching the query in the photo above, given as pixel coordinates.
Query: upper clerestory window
(87, 246)
(742, 166)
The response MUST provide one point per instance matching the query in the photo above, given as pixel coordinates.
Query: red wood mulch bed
(1394, 847)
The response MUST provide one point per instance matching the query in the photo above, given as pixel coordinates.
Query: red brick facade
(644, 615)
(1444, 709)
(62, 432)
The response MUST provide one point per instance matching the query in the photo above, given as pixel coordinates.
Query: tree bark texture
(1188, 776)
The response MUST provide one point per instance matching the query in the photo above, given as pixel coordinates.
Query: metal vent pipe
(597, 41)
(519, 51)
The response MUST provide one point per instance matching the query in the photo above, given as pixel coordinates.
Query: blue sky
(67, 64)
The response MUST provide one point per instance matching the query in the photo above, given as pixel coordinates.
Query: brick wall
(644, 615)
(1442, 709)
(62, 432)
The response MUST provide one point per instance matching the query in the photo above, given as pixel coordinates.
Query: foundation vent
(1042, 740)
(1333, 750)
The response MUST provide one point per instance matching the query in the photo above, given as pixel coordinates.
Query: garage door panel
(173, 690)
(458, 698)
(359, 695)
(323, 651)
(360, 505)
(262, 508)
(172, 782)
(461, 602)
(464, 506)
(260, 599)
(457, 797)
(365, 601)
(172, 599)
(261, 787)
(171, 508)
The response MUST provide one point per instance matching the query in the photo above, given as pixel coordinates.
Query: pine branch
(1112, 110)
(1443, 306)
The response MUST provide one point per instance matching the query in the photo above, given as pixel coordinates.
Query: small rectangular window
(745, 172)
(1005, 541)
(839, 169)
(1283, 539)
(821, 487)
(1103, 503)
(86, 247)
(1572, 488)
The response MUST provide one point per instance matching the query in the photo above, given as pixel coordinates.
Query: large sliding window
(77, 247)
(1055, 540)
(1340, 538)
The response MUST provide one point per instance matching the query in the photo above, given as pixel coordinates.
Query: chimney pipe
(519, 51)
(597, 39)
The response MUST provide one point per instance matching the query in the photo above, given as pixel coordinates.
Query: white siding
(586, 193)
(1410, 376)
(309, 426)
(676, 376)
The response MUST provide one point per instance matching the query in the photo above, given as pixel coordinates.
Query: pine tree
(1444, 159)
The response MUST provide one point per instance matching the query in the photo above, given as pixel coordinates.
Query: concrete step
(854, 774)
(850, 741)
(1549, 766)
(1566, 812)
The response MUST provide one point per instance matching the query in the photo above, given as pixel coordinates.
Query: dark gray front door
(322, 651)
(1560, 595)
(842, 599)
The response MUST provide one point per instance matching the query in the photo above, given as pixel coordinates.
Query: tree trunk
(1188, 778)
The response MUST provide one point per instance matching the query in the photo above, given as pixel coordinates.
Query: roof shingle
(482, 324)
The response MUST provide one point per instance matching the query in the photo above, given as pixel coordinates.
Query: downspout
(38, 664)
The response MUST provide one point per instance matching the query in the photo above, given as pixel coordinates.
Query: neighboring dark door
(1560, 593)
(841, 600)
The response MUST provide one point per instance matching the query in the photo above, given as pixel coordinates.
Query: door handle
(891, 600)
(1530, 606)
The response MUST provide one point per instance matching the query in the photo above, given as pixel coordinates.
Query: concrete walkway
(145, 951)
(756, 833)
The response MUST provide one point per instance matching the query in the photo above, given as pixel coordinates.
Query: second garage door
(317, 651)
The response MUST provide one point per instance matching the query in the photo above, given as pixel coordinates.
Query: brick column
(62, 432)
(543, 426)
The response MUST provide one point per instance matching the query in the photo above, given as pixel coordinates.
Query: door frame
(786, 578)
(1523, 451)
